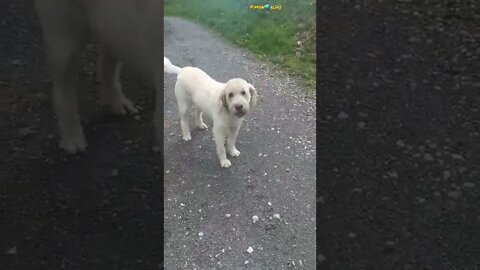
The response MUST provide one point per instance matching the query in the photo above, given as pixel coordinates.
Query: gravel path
(209, 209)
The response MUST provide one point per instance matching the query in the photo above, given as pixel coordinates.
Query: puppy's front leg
(183, 111)
(63, 56)
(158, 113)
(72, 139)
(109, 69)
(198, 119)
(219, 135)
(232, 138)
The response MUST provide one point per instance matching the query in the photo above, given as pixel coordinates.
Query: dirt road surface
(399, 143)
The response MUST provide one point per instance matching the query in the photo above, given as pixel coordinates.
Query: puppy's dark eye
(230, 95)
(243, 93)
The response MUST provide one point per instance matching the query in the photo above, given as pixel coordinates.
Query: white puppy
(226, 103)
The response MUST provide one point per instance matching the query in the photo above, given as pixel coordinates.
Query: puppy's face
(239, 97)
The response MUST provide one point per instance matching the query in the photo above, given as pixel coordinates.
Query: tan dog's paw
(225, 163)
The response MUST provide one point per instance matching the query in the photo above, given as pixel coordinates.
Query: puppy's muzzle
(239, 110)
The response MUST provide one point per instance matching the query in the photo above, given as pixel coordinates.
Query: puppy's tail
(169, 67)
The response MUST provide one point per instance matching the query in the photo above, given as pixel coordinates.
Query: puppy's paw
(122, 106)
(225, 163)
(187, 137)
(202, 126)
(234, 152)
(74, 145)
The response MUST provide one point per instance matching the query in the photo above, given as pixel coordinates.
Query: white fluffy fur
(226, 103)
(125, 31)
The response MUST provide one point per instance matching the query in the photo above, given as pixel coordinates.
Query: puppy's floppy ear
(222, 101)
(253, 95)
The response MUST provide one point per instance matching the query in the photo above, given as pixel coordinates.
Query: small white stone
(246, 262)
(269, 204)
(254, 219)
(276, 216)
(342, 115)
(457, 156)
(428, 157)
(227, 215)
(12, 251)
(469, 185)
(400, 143)
(250, 250)
(200, 234)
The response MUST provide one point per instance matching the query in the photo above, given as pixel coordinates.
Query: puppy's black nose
(238, 107)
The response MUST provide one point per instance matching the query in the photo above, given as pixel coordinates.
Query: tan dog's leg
(232, 137)
(109, 70)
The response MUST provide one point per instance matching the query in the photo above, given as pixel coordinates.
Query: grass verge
(285, 37)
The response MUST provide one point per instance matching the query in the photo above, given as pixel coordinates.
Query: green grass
(285, 37)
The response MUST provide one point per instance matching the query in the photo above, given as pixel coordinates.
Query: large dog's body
(225, 103)
(127, 31)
